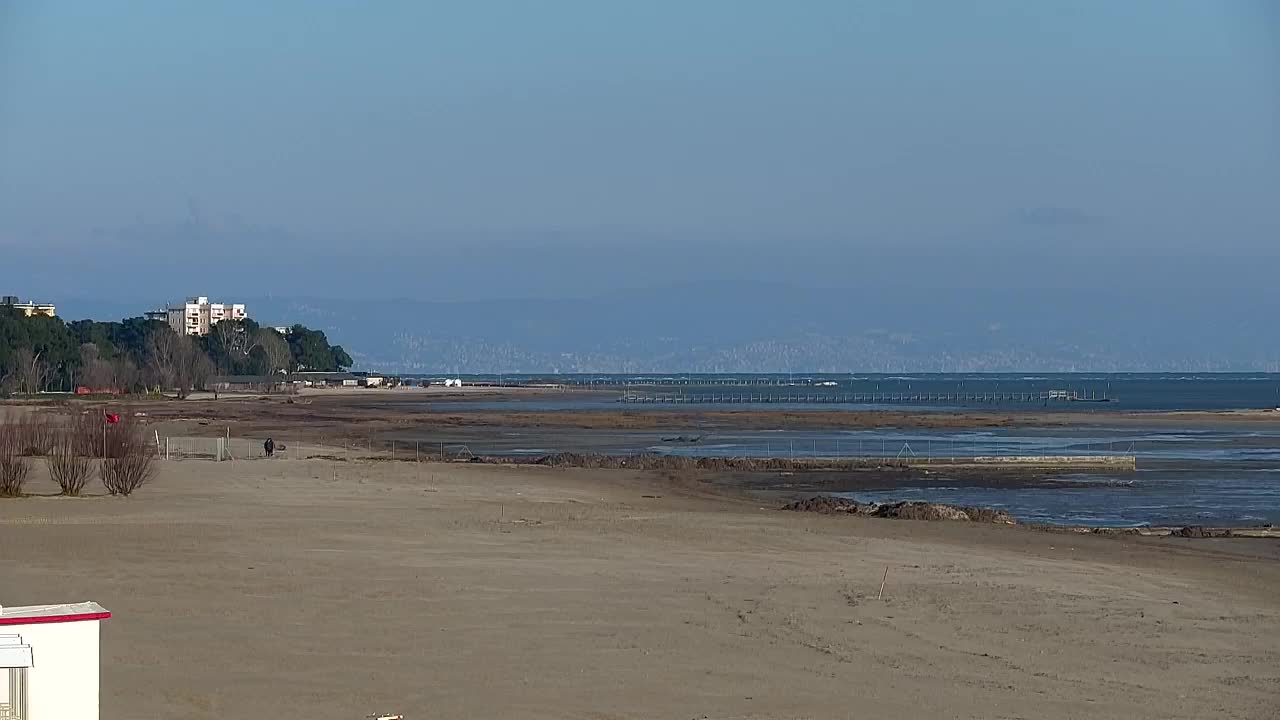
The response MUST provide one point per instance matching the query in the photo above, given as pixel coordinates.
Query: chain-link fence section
(237, 448)
(233, 448)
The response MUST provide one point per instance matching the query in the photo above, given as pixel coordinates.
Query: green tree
(230, 345)
(310, 350)
(44, 353)
(37, 352)
(132, 336)
(129, 338)
(341, 360)
(272, 354)
(98, 334)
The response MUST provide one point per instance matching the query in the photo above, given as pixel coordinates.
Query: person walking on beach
(270, 447)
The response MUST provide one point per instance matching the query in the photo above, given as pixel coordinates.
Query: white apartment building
(197, 315)
(27, 308)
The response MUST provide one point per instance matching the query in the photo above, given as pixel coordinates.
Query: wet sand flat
(361, 413)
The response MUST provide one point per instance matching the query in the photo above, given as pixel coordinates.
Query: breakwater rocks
(829, 505)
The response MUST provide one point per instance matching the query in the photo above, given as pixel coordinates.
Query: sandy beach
(321, 589)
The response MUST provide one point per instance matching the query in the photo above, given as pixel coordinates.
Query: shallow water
(1126, 391)
(1223, 475)
(1244, 444)
(1185, 476)
(1154, 497)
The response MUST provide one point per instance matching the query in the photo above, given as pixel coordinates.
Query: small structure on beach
(250, 383)
(323, 379)
(49, 661)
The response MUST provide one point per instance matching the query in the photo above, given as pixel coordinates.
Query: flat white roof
(69, 612)
(15, 655)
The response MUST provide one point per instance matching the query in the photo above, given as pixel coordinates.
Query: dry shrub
(39, 435)
(31, 432)
(14, 468)
(68, 466)
(130, 457)
(86, 434)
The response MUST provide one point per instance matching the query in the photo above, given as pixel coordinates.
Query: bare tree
(199, 370)
(130, 457)
(68, 461)
(178, 363)
(14, 468)
(30, 371)
(275, 348)
(124, 374)
(163, 351)
(89, 354)
(234, 340)
(95, 373)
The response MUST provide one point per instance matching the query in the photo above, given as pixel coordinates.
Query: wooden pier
(693, 382)
(821, 398)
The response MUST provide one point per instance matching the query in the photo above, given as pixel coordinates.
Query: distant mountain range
(763, 327)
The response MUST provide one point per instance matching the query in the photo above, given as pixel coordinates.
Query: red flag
(112, 418)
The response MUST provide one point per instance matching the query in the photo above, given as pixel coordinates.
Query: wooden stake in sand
(882, 582)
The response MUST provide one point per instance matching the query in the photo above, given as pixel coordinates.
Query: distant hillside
(776, 328)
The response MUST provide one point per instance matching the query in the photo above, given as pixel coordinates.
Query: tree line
(41, 353)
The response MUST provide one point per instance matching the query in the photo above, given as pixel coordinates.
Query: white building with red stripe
(49, 661)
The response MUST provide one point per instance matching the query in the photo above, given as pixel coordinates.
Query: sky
(461, 151)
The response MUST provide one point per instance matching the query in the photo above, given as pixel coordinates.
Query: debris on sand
(941, 511)
(830, 505)
(826, 505)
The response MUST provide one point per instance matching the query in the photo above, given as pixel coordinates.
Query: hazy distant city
(768, 328)
(757, 331)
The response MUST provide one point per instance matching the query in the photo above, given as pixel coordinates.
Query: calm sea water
(1127, 391)
(1153, 496)
(1227, 476)
(1193, 472)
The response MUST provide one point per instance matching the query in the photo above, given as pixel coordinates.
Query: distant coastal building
(292, 381)
(197, 315)
(27, 308)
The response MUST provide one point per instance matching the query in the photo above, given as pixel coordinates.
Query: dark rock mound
(826, 505)
(900, 510)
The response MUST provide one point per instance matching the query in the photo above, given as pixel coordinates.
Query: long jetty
(689, 382)
(858, 398)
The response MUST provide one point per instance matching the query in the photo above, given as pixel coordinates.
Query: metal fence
(230, 448)
(223, 449)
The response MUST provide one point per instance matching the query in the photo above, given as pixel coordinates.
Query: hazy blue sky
(577, 136)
